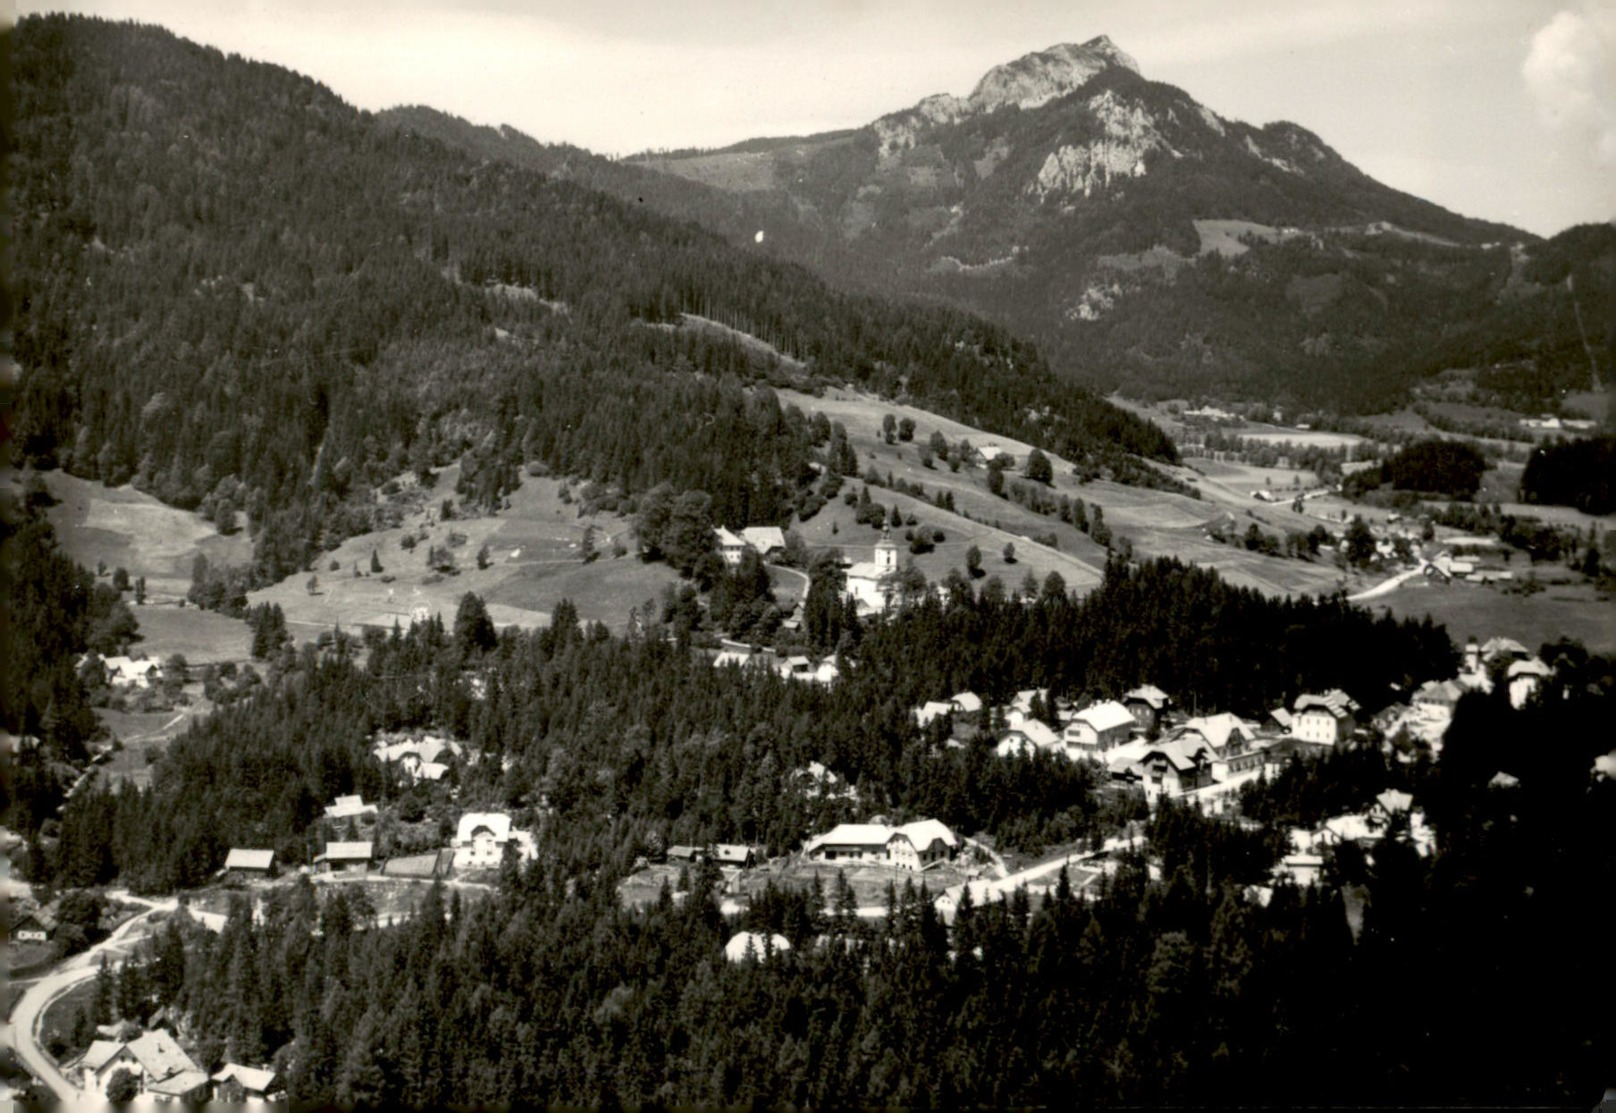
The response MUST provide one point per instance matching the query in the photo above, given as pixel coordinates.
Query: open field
(122, 527)
(1571, 610)
(141, 733)
(536, 560)
(1159, 523)
(198, 635)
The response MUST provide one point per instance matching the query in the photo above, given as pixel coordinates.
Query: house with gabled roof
(1174, 768)
(1148, 705)
(1525, 677)
(1324, 719)
(246, 1087)
(731, 547)
(36, 926)
(1031, 735)
(250, 862)
(1224, 734)
(768, 542)
(1437, 698)
(966, 702)
(349, 806)
(929, 712)
(917, 845)
(1099, 727)
(161, 1066)
(481, 838)
(345, 857)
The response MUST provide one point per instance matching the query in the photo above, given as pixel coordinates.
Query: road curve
(28, 1016)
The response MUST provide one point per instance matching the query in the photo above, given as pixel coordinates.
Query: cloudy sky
(1504, 109)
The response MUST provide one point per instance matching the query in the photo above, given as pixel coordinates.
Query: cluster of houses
(1304, 865)
(167, 1077)
(1142, 741)
(124, 672)
(480, 842)
(421, 758)
(1430, 708)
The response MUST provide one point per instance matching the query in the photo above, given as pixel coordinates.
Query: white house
(1175, 768)
(245, 1088)
(481, 839)
(916, 845)
(931, 711)
(966, 702)
(1324, 719)
(131, 673)
(807, 670)
(850, 841)
(1099, 727)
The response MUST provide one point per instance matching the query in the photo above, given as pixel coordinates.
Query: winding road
(28, 1016)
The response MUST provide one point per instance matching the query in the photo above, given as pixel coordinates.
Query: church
(871, 586)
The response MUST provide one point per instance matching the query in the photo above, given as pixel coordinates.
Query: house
(1223, 734)
(481, 839)
(1101, 726)
(349, 806)
(1147, 704)
(1024, 700)
(931, 711)
(804, 669)
(751, 944)
(850, 841)
(353, 857)
(1525, 677)
(164, 1070)
(131, 673)
(987, 455)
(872, 585)
(735, 856)
(1433, 698)
(912, 846)
(731, 657)
(1303, 869)
(731, 547)
(1500, 649)
(1389, 804)
(768, 542)
(246, 1088)
(966, 702)
(422, 759)
(1236, 762)
(36, 926)
(1279, 720)
(1031, 735)
(916, 845)
(1175, 768)
(250, 862)
(1325, 719)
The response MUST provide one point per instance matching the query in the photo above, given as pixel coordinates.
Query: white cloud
(1571, 73)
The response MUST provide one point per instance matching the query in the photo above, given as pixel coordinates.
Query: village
(1140, 744)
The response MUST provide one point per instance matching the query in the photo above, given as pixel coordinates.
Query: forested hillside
(1187, 991)
(243, 295)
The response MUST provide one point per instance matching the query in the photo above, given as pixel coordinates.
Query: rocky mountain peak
(1027, 82)
(1038, 78)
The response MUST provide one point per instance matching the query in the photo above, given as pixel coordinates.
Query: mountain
(246, 297)
(1153, 246)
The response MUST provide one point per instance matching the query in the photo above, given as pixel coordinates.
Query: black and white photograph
(808, 555)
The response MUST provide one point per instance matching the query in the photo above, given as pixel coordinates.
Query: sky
(1501, 109)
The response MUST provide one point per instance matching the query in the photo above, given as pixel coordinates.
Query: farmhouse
(250, 862)
(912, 846)
(349, 806)
(353, 857)
(987, 455)
(131, 673)
(1324, 719)
(768, 542)
(163, 1069)
(246, 1088)
(1100, 727)
(872, 585)
(37, 926)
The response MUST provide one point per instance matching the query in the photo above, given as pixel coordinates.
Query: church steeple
(886, 552)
